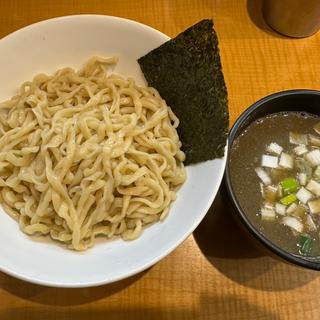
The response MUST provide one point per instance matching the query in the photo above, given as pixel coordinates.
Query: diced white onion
(269, 161)
(265, 178)
(298, 138)
(267, 214)
(268, 205)
(293, 223)
(316, 128)
(317, 172)
(314, 206)
(291, 208)
(313, 157)
(303, 166)
(300, 150)
(286, 160)
(304, 195)
(270, 193)
(299, 211)
(261, 189)
(314, 187)
(273, 189)
(274, 148)
(280, 192)
(314, 140)
(280, 209)
(311, 225)
(302, 177)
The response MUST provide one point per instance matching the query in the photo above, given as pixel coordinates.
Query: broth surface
(245, 156)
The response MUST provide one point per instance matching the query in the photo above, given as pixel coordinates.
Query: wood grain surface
(216, 273)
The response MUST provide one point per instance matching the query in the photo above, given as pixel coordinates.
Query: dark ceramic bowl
(292, 100)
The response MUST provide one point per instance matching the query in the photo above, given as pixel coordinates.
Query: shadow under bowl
(292, 100)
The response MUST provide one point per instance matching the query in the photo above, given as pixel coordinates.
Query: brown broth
(245, 156)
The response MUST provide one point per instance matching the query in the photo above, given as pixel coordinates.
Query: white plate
(70, 41)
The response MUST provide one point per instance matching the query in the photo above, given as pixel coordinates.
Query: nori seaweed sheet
(187, 72)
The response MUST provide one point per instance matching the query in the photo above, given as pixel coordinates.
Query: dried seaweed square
(187, 73)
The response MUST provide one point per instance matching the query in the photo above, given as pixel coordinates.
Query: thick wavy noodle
(85, 153)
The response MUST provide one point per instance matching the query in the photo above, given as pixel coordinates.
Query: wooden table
(215, 273)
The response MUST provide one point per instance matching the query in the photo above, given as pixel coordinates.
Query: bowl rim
(289, 257)
(82, 15)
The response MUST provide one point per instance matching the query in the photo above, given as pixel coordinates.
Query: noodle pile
(85, 153)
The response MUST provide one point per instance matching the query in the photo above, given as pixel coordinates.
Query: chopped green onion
(289, 185)
(288, 199)
(305, 245)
